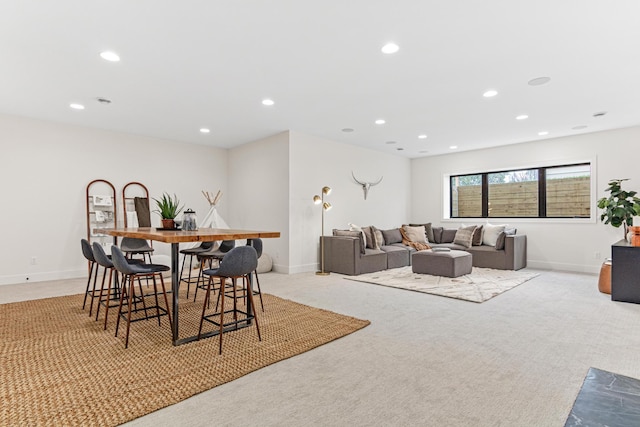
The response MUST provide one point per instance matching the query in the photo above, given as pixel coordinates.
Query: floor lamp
(319, 200)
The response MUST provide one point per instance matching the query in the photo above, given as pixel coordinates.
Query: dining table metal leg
(175, 287)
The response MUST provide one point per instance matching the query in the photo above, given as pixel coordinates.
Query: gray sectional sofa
(348, 252)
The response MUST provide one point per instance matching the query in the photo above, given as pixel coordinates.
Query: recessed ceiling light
(453, 147)
(599, 114)
(423, 136)
(77, 106)
(543, 133)
(347, 130)
(539, 81)
(579, 127)
(423, 151)
(522, 117)
(490, 93)
(380, 122)
(268, 102)
(391, 142)
(110, 56)
(104, 101)
(390, 48)
(399, 148)
(205, 130)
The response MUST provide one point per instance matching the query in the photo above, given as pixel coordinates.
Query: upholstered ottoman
(450, 263)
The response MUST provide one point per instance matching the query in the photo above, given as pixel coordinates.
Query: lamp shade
(326, 190)
(326, 206)
(317, 200)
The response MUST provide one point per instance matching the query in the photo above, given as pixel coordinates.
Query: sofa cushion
(392, 236)
(428, 231)
(448, 235)
(491, 233)
(503, 235)
(464, 236)
(437, 234)
(415, 234)
(349, 233)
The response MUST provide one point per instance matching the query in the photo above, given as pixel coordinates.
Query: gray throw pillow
(448, 234)
(477, 236)
(464, 236)
(502, 236)
(437, 234)
(349, 233)
(392, 236)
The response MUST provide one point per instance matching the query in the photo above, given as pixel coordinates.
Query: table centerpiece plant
(168, 209)
(620, 207)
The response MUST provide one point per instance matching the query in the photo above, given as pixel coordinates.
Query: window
(546, 192)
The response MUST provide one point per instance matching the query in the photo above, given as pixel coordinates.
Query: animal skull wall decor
(366, 185)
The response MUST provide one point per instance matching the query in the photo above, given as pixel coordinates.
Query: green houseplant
(168, 209)
(620, 207)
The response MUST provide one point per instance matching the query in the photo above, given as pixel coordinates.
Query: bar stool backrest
(120, 262)
(86, 250)
(100, 256)
(238, 261)
(257, 245)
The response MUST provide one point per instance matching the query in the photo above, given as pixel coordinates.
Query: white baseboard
(42, 277)
(305, 268)
(560, 266)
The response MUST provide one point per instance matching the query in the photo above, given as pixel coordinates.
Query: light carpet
(59, 367)
(479, 286)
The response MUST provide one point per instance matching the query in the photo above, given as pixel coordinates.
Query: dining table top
(181, 236)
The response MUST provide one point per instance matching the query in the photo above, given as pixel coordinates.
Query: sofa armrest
(341, 254)
(515, 247)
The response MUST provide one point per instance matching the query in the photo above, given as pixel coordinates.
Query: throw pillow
(502, 237)
(428, 231)
(370, 237)
(464, 236)
(392, 236)
(437, 234)
(491, 233)
(477, 236)
(349, 233)
(380, 238)
(415, 234)
(448, 234)
(354, 227)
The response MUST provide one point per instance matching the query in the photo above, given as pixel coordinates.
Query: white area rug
(482, 284)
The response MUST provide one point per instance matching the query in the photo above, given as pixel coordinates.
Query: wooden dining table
(175, 237)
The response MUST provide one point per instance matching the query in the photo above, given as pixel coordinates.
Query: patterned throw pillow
(464, 236)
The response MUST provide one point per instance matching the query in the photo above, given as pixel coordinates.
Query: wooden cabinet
(625, 272)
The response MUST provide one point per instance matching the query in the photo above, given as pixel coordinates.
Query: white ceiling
(204, 63)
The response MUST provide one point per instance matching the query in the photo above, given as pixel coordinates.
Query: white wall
(45, 169)
(316, 162)
(552, 244)
(258, 193)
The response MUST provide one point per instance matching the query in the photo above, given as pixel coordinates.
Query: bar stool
(93, 271)
(237, 263)
(191, 252)
(130, 273)
(257, 245)
(132, 246)
(210, 256)
(104, 261)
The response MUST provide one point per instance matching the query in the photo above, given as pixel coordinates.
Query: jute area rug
(59, 367)
(479, 286)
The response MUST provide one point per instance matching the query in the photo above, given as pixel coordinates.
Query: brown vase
(168, 223)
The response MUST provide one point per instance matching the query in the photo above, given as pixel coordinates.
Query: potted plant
(620, 207)
(168, 209)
